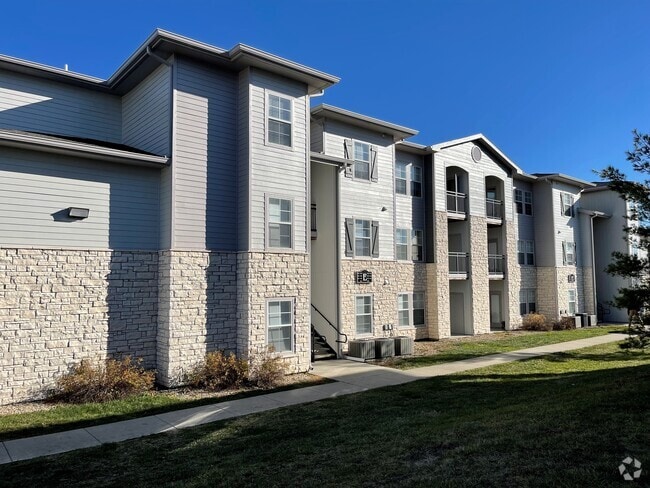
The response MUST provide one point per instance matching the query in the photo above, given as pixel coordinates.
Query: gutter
(71, 148)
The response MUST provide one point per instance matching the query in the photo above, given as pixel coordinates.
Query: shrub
(101, 382)
(218, 371)
(535, 321)
(565, 323)
(267, 370)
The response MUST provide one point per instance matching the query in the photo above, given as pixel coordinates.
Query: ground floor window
(572, 302)
(410, 309)
(527, 301)
(363, 312)
(279, 316)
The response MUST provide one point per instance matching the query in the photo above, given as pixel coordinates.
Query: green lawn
(459, 349)
(562, 420)
(66, 417)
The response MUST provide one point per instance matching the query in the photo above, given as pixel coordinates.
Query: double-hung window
(524, 202)
(526, 253)
(280, 223)
(400, 178)
(417, 246)
(279, 316)
(572, 302)
(401, 244)
(362, 237)
(363, 314)
(527, 301)
(279, 120)
(416, 181)
(361, 160)
(569, 252)
(566, 204)
(410, 309)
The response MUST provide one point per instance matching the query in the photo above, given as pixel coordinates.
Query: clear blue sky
(557, 85)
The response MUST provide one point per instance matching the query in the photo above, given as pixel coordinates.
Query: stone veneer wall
(198, 309)
(262, 276)
(389, 278)
(437, 280)
(547, 292)
(514, 278)
(587, 300)
(479, 276)
(58, 307)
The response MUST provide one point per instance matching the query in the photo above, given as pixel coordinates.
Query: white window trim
(574, 261)
(409, 180)
(267, 107)
(293, 323)
(571, 207)
(354, 239)
(525, 243)
(523, 202)
(409, 244)
(354, 161)
(406, 179)
(571, 291)
(413, 231)
(267, 221)
(411, 309)
(372, 315)
(527, 291)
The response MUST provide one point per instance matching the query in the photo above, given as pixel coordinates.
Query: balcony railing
(493, 209)
(456, 203)
(495, 264)
(458, 263)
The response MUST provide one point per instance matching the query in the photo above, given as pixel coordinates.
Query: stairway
(320, 349)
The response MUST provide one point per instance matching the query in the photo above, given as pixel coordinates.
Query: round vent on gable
(476, 153)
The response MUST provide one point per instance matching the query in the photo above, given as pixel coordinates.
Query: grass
(562, 420)
(66, 417)
(459, 349)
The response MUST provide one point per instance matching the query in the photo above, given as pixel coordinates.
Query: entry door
(495, 310)
(457, 313)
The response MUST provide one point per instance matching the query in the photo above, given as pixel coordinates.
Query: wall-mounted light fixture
(78, 213)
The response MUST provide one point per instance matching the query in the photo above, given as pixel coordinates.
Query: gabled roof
(159, 46)
(412, 147)
(486, 142)
(73, 146)
(370, 123)
(562, 178)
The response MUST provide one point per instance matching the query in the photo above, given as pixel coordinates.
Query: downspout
(593, 263)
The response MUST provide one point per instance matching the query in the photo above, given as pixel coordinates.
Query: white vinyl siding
(279, 316)
(363, 314)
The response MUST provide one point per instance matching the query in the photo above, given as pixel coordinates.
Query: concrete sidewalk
(350, 377)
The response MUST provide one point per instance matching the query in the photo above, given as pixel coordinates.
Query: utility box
(593, 320)
(403, 346)
(384, 347)
(362, 348)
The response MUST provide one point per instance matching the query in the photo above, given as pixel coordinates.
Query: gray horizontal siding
(146, 113)
(409, 211)
(276, 170)
(525, 223)
(32, 104)
(566, 228)
(544, 225)
(316, 136)
(363, 199)
(205, 158)
(243, 163)
(36, 189)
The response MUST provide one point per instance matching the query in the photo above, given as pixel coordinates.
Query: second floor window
(280, 223)
(526, 253)
(566, 204)
(279, 120)
(400, 178)
(361, 160)
(524, 202)
(417, 239)
(361, 238)
(569, 253)
(406, 252)
(416, 181)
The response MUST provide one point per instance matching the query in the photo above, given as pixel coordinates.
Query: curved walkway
(350, 377)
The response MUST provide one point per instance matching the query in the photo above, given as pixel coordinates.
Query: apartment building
(195, 201)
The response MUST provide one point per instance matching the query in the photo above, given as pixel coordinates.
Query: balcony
(496, 266)
(458, 265)
(494, 211)
(456, 205)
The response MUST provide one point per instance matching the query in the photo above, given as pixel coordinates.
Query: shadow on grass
(59, 425)
(520, 431)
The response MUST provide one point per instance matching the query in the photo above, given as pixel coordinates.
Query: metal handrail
(493, 208)
(456, 202)
(332, 326)
(495, 263)
(458, 263)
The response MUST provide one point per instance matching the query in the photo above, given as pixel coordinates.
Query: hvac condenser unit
(384, 347)
(362, 348)
(403, 346)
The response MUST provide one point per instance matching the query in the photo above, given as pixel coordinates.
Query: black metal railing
(456, 202)
(493, 208)
(338, 332)
(495, 264)
(458, 263)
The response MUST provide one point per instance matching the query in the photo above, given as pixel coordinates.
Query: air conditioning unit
(362, 348)
(403, 346)
(384, 347)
